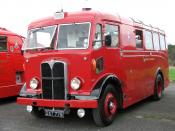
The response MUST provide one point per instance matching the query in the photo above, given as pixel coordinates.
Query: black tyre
(38, 113)
(159, 87)
(107, 107)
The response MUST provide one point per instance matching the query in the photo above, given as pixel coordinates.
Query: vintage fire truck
(11, 63)
(89, 60)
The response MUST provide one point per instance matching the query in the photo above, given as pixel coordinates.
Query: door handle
(144, 59)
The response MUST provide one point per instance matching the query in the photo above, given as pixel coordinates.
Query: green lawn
(172, 73)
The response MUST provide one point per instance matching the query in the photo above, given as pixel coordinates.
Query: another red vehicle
(92, 60)
(11, 63)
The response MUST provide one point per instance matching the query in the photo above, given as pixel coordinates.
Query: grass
(172, 73)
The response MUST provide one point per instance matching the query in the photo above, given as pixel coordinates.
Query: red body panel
(59, 103)
(135, 68)
(11, 62)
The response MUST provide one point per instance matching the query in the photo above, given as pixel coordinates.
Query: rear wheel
(107, 107)
(37, 112)
(158, 89)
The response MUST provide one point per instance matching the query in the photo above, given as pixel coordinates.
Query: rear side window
(156, 41)
(148, 40)
(139, 39)
(113, 30)
(162, 42)
(3, 43)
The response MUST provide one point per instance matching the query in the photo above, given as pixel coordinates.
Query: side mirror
(22, 52)
(108, 40)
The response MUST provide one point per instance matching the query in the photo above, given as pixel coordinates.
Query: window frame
(6, 38)
(146, 40)
(137, 29)
(158, 40)
(101, 36)
(116, 25)
(57, 37)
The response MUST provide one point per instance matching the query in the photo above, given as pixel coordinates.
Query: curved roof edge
(115, 17)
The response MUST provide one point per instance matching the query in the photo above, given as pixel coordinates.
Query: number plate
(54, 113)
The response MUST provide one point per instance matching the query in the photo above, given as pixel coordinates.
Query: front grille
(53, 80)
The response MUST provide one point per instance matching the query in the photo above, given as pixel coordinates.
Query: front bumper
(58, 103)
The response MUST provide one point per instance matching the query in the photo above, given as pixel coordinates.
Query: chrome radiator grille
(53, 80)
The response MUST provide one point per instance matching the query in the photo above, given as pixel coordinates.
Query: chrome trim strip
(145, 51)
(65, 80)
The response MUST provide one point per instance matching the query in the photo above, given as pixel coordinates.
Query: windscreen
(40, 38)
(73, 36)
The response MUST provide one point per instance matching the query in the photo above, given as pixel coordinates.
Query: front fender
(23, 92)
(100, 86)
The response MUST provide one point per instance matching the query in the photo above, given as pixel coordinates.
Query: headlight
(34, 83)
(75, 83)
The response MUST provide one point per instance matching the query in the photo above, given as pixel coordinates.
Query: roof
(4, 31)
(94, 15)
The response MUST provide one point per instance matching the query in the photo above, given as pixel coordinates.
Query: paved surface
(144, 116)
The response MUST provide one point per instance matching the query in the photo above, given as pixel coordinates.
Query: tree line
(171, 54)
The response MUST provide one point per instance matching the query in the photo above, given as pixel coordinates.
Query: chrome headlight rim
(76, 83)
(34, 82)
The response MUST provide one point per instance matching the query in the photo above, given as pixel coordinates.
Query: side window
(114, 32)
(3, 43)
(162, 42)
(139, 38)
(148, 40)
(156, 41)
(98, 37)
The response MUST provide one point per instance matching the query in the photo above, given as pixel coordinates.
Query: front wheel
(107, 107)
(159, 87)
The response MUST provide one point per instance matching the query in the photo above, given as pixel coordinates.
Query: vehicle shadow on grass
(8, 100)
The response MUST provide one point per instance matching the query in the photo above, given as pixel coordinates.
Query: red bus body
(131, 70)
(11, 63)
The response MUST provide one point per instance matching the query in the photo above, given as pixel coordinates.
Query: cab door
(112, 51)
(98, 50)
(5, 69)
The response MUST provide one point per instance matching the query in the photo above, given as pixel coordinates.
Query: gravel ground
(144, 116)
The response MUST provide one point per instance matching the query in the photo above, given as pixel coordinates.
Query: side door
(141, 67)
(132, 54)
(149, 63)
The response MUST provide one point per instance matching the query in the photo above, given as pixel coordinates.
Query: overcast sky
(15, 15)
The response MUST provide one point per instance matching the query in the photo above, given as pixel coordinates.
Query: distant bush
(172, 74)
(171, 54)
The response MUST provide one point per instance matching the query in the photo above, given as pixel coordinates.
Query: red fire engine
(92, 60)
(11, 63)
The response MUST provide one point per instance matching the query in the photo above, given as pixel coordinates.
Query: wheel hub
(110, 105)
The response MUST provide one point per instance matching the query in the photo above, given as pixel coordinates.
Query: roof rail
(1, 28)
(148, 25)
(136, 20)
